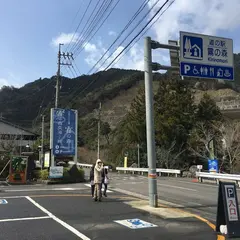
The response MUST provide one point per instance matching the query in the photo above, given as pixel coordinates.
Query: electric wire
(136, 36)
(121, 33)
(132, 30)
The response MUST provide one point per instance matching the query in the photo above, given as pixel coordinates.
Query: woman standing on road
(92, 180)
(98, 180)
(105, 180)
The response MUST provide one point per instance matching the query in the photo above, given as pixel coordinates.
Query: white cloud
(3, 82)
(65, 38)
(112, 33)
(90, 47)
(204, 16)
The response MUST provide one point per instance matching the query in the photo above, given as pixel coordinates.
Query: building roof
(22, 130)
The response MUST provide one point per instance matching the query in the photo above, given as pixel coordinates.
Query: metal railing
(84, 165)
(145, 170)
(218, 176)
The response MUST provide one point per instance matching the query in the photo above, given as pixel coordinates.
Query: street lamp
(28, 147)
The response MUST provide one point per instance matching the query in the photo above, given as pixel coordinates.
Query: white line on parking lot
(64, 224)
(23, 219)
(42, 189)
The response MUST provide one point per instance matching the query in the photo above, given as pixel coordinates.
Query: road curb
(169, 204)
(140, 196)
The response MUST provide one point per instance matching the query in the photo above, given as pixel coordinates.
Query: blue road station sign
(213, 165)
(63, 131)
(205, 56)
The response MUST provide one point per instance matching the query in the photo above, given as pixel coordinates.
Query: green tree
(174, 114)
(207, 128)
(105, 130)
(131, 130)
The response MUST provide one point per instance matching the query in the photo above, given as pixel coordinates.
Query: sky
(31, 31)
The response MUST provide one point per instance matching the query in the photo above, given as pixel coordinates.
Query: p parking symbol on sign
(187, 68)
(230, 192)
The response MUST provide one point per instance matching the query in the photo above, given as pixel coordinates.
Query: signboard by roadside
(199, 167)
(56, 172)
(204, 56)
(18, 169)
(63, 134)
(213, 165)
(227, 210)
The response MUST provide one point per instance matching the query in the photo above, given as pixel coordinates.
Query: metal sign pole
(151, 153)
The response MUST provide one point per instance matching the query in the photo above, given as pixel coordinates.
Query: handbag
(106, 180)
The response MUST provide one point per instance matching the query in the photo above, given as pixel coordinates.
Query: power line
(124, 29)
(81, 33)
(98, 75)
(79, 23)
(138, 33)
(131, 32)
(80, 85)
(86, 42)
(94, 23)
(129, 23)
(145, 32)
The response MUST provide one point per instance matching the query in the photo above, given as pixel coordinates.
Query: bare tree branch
(230, 133)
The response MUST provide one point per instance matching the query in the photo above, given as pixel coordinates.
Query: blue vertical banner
(63, 132)
(213, 165)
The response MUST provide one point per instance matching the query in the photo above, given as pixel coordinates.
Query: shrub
(73, 175)
(43, 174)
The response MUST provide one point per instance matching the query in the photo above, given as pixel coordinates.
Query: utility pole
(151, 152)
(150, 66)
(68, 56)
(99, 128)
(138, 155)
(42, 143)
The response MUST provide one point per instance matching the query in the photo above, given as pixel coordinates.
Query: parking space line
(64, 224)
(23, 219)
(43, 189)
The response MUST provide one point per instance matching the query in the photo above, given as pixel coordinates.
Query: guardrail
(143, 170)
(85, 165)
(218, 176)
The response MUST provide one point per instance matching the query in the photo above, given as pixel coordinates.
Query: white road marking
(14, 197)
(42, 189)
(195, 203)
(166, 185)
(89, 185)
(64, 224)
(23, 219)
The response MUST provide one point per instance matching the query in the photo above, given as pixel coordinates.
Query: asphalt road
(68, 212)
(199, 198)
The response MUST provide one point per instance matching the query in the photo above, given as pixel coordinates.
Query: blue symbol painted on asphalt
(3, 201)
(193, 47)
(135, 221)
